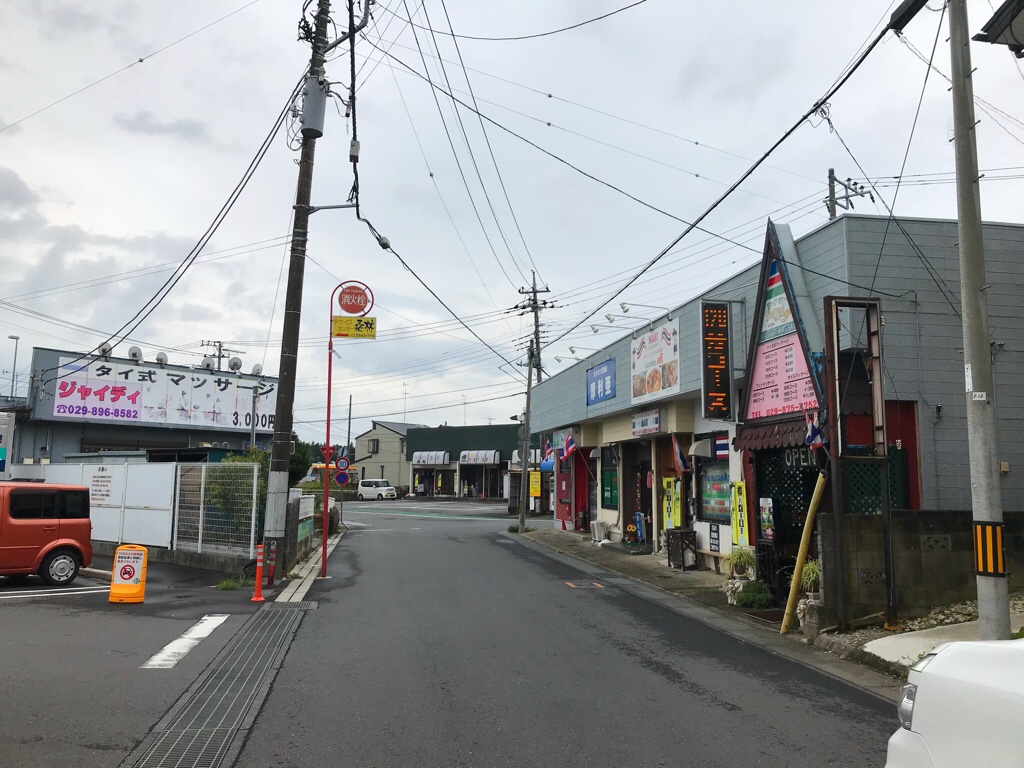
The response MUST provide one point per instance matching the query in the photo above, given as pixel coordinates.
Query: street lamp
(589, 349)
(1006, 27)
(627, 304)
(566, 357)
(14, 368)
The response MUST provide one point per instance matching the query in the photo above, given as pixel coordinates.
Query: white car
(963, 705)
(376, 489)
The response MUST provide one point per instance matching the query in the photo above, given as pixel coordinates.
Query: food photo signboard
(654, 363)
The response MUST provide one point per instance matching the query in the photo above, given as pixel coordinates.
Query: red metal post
(327, 440)
(273, 564)
(257, 596)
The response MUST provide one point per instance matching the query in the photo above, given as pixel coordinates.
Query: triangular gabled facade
(781, 381)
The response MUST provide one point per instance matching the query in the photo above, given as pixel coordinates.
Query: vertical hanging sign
(715, 360)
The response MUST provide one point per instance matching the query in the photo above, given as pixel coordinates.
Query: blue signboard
(601, 382)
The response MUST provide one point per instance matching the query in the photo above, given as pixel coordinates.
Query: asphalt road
(71, 690)
(438, 642)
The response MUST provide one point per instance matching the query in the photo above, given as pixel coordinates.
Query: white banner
(140, 393)
(654, 363)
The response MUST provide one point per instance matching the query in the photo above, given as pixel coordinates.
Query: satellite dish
(208, 363)
(105, 349)
(257, 369)
(235, 363)
(135, 354)
(161, 358)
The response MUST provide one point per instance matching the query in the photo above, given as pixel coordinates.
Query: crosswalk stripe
(176, 650)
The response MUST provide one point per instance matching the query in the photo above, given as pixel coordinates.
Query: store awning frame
(431, 458)
(480, 457)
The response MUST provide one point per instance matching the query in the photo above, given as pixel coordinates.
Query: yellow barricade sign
(128, 582)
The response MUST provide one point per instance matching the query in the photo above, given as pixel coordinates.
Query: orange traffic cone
(257, 596)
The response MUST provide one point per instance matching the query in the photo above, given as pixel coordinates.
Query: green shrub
(514, 528)
(755, 595)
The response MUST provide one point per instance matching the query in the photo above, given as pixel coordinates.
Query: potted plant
(810, 579)
(742, 562)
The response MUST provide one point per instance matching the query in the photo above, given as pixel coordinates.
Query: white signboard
(140, 393)
(99, 487)
(128, 566)
(647, 423)
(654, 363)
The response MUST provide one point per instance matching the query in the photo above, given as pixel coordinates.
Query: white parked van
(376, 489)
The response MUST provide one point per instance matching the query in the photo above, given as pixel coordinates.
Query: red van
(44, 529)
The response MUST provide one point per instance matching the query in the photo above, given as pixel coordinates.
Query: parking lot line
(176, 650)
(55, 592)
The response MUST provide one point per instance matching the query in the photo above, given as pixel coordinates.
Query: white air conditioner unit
(598, 530)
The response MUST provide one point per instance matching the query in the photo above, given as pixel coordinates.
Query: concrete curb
(865, 678)
(96, 573)
(833, 645)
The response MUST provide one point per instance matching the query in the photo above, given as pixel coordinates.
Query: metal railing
(216, 508)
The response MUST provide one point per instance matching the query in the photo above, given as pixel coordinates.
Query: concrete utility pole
(535, 306)
(845, 200)
(524, 451)
(986, 495)
(277, 485)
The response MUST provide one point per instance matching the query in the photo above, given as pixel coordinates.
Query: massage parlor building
(733, 376)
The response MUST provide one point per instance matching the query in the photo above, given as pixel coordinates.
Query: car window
(33, 505)
(76, 504)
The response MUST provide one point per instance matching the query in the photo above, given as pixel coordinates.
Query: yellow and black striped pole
(988, 549)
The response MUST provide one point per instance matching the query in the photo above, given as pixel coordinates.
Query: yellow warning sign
(128, 581)
(354, 327)
(534, 485)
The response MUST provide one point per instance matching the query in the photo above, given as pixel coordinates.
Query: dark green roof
(455, 440)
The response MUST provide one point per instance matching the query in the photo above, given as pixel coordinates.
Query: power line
(561, 160)
(128, 66)
(487, 140)
(532, 36)
(746, 174)
(151, 304)
(451, 144)
(472, 154)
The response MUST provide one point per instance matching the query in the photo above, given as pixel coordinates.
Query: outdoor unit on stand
(598, 530)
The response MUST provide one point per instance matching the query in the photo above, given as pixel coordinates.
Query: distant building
(380, 452)
(91, 403)
(461, 461)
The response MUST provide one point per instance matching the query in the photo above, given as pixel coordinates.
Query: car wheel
(59, 568)
(359, 497)
(380, 497)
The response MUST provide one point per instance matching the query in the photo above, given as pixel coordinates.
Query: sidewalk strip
(175, 650)
(308, 572)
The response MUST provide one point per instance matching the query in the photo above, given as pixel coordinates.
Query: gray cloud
(14, 192)
(146, 123)
(12, 131)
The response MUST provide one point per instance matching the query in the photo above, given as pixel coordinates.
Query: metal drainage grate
(201, 733)
(305, 605)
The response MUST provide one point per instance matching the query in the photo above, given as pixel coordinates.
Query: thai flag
(722, 447)
(813, 438)
(548, 450)
(666, 336)
(679, 457)
(570, 446)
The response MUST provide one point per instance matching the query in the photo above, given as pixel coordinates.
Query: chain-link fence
(216, 508)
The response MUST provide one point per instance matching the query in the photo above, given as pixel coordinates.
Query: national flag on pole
(722, 447)
(570, 445)
(548, 450)
(813, 439)
(680, 458)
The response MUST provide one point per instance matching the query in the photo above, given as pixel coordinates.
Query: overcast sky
(104, 192)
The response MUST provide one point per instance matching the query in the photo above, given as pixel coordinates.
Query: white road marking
(56, 592)
(175, 650)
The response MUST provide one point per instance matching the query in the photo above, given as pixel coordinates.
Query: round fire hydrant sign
(128, 582)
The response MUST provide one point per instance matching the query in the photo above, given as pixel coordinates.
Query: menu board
(780, 381)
